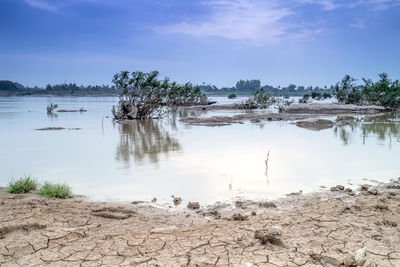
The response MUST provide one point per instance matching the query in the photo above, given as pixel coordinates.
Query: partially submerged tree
(384, 92)
(344, 88)
(145, 96)
(259, 100)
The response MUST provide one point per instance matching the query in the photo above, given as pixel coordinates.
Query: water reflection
(383, 127)
(141, 140)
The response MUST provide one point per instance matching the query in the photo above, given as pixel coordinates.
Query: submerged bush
(232, 96)
(384, 92)
(55, 190)
(259, 100)
(145, 96)
(22, 185)
(305, 99)
(283, 104)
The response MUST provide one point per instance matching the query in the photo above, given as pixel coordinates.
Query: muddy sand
(309, 115)
(330, 228)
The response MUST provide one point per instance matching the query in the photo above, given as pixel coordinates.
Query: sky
(304, 42)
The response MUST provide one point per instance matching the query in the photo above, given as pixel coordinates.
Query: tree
(342, 89)
(248, 85)
(385, 92)
(146, 96)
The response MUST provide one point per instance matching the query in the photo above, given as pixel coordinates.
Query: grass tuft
(55, 190)
(22, 185)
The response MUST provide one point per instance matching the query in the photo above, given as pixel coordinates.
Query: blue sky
(305, 42)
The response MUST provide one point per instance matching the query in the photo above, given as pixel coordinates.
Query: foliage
(259, 100)
(346, 92)
(56, 89)
(22, 185)
(305, 99)
(326, 95)
(185, 95)
(282, 104)
(248, 85)
(384, 92)
(55, 190)
(232, 96)
(145, 96)
(315, 95)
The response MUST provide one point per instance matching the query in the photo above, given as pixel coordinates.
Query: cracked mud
(319, 229)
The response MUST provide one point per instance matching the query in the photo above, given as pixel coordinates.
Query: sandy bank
(333, 109)
(320, 229)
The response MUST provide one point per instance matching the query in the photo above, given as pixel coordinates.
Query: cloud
(260, 22)
(326, 4)
(267, 22)
(41, 4)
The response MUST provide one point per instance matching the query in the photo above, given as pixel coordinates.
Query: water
(160, 158)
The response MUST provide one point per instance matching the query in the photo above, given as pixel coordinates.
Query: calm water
(142, 160)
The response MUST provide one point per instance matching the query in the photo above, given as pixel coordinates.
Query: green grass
(22, 185)
(55, 190)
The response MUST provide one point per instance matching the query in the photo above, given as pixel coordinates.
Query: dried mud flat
(320, 229)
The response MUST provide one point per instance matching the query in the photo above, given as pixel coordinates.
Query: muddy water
(142, 160)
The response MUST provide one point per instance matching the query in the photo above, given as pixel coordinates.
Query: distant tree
(8, 86)
(248, 85)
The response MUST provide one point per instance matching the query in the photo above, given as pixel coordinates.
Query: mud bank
(241, 118)
(337, 228)
(333, 109)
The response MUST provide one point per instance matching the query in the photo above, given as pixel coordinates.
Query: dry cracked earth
(322, 229)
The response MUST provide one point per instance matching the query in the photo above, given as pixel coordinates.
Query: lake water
(160, 158)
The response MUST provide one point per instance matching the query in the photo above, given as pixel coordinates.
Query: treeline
(246, 87)
(14, 88)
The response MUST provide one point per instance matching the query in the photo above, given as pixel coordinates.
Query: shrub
(384, 92)
(145, 96)
(232, 96)
(315, 95)
(55, 190)
(259, 100)
(282, 104)
(347, 93)
(305, 99)
(22, 185)
(326, 95)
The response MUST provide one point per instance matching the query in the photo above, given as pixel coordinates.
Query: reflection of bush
(144, 139)
(383, 127)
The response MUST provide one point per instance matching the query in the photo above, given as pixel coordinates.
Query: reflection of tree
(384, 127)
(144, 139)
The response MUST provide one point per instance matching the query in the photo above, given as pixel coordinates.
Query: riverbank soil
(338, 228)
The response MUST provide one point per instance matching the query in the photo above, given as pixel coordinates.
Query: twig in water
(266, 167)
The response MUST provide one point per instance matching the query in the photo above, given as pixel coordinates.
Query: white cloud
(266, 22)
(42, 5)
(326, 4)
(257, 21)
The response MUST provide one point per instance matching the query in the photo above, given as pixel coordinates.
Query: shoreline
(322, 228)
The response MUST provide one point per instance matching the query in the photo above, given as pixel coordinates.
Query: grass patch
(22, 185)
(55, 190)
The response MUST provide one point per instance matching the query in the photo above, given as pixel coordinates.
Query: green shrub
(232, 96)
(22, 185)
(259, 100)
(384, 92)
(55, 190)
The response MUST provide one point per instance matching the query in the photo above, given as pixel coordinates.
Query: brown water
(160, 158)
